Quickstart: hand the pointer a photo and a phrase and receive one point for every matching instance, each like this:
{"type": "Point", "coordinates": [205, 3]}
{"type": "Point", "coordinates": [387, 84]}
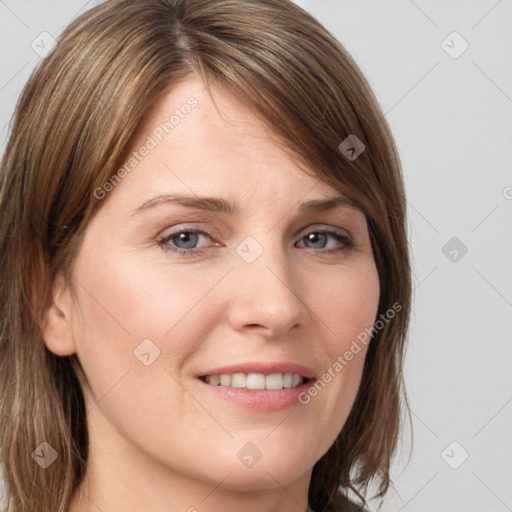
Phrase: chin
{"type": "Point", "coordinates": [270, 466]}
{"type": "Point", "coordinates": [262, 477]}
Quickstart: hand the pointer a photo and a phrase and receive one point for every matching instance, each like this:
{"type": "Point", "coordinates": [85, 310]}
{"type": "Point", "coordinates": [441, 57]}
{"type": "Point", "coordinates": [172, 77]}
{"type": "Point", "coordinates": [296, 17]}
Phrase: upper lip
{"type": "Point", "coordinates": [266, 368]}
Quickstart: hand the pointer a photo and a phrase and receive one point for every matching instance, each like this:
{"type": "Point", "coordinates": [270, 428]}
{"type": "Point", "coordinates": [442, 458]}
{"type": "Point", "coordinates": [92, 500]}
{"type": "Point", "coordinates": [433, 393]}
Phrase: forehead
{"type": "Point", "coordinates": [189, 142]}
{"type": "Point", "coordinates": [190, 110]}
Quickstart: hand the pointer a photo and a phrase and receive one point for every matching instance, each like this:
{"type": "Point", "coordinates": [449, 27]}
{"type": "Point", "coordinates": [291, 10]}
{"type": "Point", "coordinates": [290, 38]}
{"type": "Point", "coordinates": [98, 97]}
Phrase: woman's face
{"type": "Point", "coordinates": [248, 281]}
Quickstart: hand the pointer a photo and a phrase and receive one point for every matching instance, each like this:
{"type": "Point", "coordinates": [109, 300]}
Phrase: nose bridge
{"type": "Point", "coordinates": [268, 288]}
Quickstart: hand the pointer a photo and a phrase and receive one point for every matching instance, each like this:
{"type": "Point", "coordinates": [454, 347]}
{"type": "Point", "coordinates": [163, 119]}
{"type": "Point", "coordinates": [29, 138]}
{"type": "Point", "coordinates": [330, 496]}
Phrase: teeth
{"type": "Point", "coordinates": [255, 381]}
{"type": "Point", "coordinates": [225, 380]}
{"type": "Point", "coordinates": [239, 380]}
{"type": "Point", "coordinates": [287, 380]}
{"type": "Point", "coordinates": [274, 381]}
{"type": "Point", "coordinates": [215, 380]}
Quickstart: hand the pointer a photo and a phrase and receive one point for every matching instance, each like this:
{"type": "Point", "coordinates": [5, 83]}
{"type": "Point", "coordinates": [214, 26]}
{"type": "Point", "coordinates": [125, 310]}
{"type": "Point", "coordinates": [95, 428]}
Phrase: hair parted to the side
{"type": "Point", "coordinates": [74, 119]}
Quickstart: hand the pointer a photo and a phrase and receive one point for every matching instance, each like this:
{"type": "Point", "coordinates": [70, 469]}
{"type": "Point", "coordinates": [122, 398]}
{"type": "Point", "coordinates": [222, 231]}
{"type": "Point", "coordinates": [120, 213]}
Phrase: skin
{"type": "Point", "coordinates": [158, 440]}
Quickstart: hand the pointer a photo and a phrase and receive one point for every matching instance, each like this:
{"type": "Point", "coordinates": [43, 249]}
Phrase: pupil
{"type": "Point", "coordinates": [316, 237]}
{"type": "Point", "coordinates": [189, 239]}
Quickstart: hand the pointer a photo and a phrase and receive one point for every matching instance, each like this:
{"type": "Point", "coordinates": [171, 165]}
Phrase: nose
{"type": "Point", "coordinates": [267, 299]}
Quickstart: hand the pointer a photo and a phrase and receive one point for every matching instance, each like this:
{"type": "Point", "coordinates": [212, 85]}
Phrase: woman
{"type": "Point", "coordinates": [205, 282]}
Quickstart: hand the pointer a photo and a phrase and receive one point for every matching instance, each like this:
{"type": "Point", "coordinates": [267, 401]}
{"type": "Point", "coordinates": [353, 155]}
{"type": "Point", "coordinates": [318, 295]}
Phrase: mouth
{"type": "Point", "coordinates": [258, 385]}
{"type": "Point", "coordinates": [256, 381]}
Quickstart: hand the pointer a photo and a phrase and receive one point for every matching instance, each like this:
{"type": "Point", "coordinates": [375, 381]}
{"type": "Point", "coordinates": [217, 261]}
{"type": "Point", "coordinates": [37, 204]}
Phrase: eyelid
{"type": "Point", "coordinates": [326, 227]}
{"type": "Point", "coordinates": [214, 233]}
{"type": "Point", "coordinates": [185, 229]}
{"type": "Point", "coordinates": [211, 232]}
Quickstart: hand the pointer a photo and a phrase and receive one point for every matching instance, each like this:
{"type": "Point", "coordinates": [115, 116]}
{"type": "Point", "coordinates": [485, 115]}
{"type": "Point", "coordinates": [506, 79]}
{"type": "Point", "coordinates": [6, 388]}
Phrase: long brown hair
{"type": "Point", "coordinates": [75, 117]}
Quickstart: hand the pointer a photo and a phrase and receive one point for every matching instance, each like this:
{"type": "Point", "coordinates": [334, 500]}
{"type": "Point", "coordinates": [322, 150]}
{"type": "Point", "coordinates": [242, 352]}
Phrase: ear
{"type": "Point", "coordinates": [57, 328]}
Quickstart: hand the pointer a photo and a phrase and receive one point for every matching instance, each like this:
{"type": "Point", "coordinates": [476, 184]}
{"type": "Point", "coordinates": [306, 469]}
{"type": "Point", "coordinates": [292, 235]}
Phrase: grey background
{"type": "Point", "coordinates": [452, 121]}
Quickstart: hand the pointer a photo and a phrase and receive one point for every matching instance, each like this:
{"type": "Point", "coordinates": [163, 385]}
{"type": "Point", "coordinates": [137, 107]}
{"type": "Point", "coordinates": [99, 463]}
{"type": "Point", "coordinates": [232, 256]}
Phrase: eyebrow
{"type": "Point", "coordinates": [215, 204]}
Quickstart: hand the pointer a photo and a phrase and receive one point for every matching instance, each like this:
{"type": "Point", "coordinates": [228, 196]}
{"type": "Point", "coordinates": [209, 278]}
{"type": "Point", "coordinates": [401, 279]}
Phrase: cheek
{"type": "Point", "coordinates": [145, 298]}
{"type": "Point", "coordinates": [348, 311]}
{"type": "Point", "coordinates": [347, 303]}
{"type": "Point", "coordinates": [129, 308]}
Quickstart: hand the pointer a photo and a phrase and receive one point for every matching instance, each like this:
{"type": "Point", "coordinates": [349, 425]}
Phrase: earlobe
{"type": "Point", "coordinates": [57, 328]}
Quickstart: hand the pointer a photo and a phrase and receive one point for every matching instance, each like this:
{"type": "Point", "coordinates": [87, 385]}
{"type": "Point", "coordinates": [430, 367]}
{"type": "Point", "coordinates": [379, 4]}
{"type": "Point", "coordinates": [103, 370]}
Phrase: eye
{"type": "Point", "coordinates": [328, 239]}
{"type": "Point", "coordinates": [184, 241]}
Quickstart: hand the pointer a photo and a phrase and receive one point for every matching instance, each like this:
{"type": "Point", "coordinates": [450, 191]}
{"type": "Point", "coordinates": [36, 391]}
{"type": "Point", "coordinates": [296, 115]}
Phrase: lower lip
{"type": "Point", "coordinates": [259, 399]}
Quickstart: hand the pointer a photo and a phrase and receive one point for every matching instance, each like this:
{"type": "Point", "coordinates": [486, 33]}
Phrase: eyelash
{"type": "Point", "coordinates": [347, 242]}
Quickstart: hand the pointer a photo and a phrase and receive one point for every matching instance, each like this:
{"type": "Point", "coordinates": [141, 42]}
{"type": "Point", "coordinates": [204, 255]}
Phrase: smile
{"type": "Point", "coordinates": [273, 381]}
